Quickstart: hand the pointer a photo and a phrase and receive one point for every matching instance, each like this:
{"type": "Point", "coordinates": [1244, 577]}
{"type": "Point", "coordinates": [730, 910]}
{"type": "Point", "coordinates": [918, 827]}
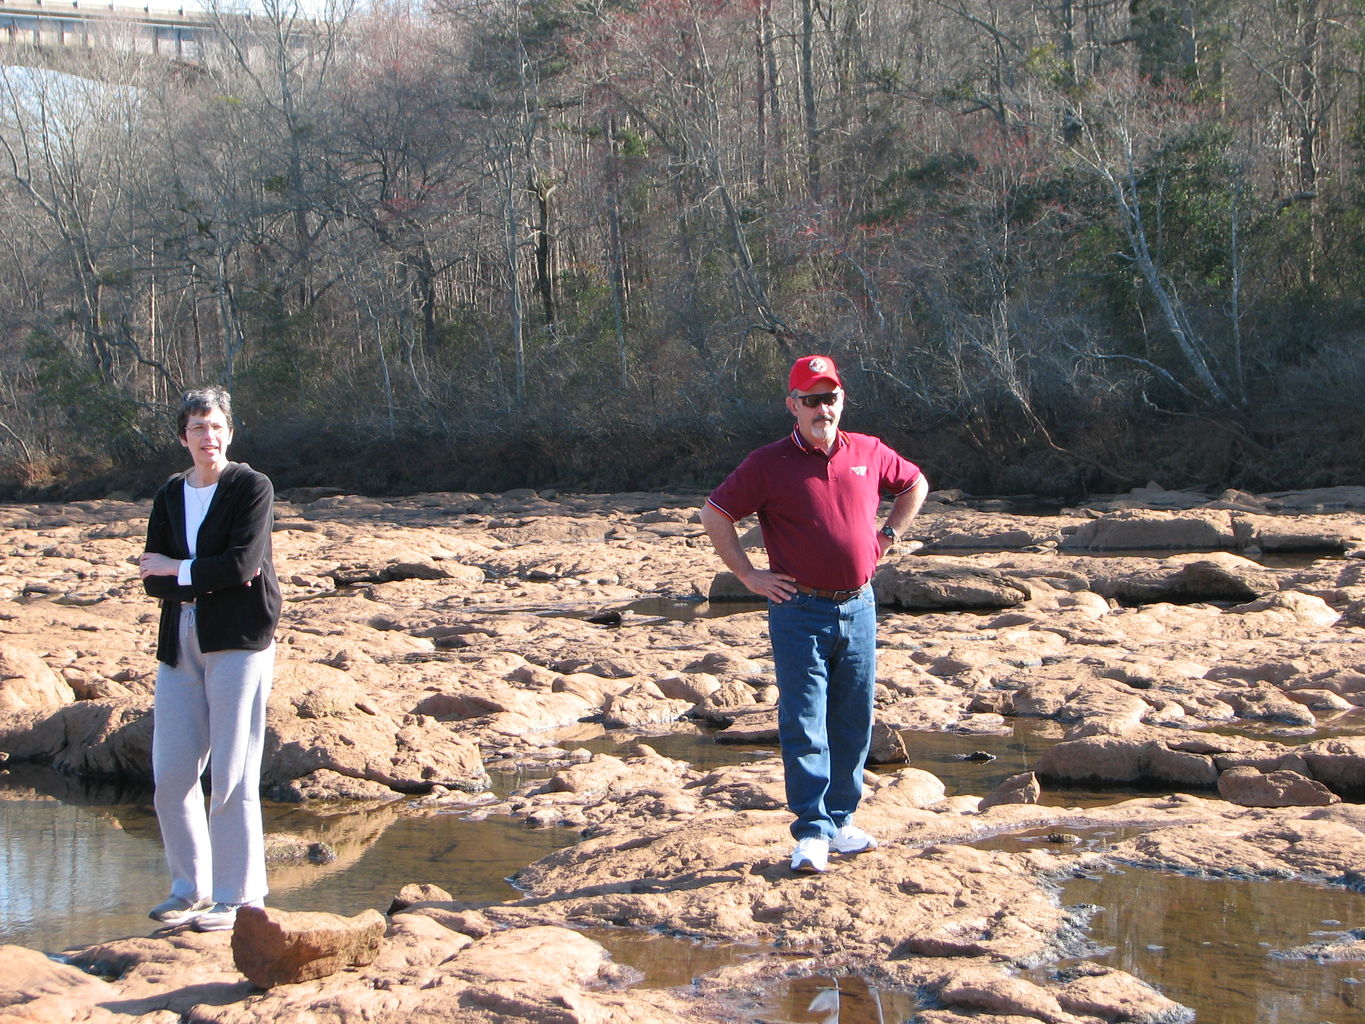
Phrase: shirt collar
{"type": "Point", "coordinates": [839, 441]}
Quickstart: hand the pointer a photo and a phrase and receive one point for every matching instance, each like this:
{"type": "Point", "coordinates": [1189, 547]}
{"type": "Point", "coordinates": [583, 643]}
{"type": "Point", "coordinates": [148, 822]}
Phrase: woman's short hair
{"type": "Point", "coordinates": [201, 402]}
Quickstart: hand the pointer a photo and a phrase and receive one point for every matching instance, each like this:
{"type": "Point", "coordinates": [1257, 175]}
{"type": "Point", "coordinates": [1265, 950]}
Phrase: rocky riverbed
{"type": "Point", "coordinates": [1204, 651]}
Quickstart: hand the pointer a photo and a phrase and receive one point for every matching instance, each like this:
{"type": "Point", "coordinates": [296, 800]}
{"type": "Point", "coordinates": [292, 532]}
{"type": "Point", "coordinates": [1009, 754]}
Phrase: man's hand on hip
{"type": "Point", "coordinates": [775, 586]}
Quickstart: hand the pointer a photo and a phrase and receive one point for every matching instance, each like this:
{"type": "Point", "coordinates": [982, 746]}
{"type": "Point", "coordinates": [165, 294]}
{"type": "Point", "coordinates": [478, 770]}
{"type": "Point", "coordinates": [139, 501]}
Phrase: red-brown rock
{"type": "Point", "coordinates": [1251, 788]}
{"type": "Point", "coordinates": [276, 947]}
{"type": "Point", "coordinates": [1017, 789]}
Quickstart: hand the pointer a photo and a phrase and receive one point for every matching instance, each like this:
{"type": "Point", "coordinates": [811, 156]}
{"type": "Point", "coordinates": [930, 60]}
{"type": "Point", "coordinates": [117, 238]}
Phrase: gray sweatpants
{"type": "Point", "coordinates": [211, 703]}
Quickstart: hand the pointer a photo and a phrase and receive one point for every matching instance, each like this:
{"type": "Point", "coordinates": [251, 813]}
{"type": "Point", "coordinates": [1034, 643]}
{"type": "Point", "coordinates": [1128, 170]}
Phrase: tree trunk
{"type": "Point", "coordinates": [808, 101]}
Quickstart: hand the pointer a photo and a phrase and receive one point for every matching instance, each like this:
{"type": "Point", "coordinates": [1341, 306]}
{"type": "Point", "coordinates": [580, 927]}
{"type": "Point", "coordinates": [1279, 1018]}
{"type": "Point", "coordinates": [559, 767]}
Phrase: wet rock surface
{"type": "Point", "coordinates": [432, 642]}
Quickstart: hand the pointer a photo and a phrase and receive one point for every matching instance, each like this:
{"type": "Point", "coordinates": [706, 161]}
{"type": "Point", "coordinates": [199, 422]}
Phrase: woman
{"type": "Point", "coordinates": [208, 559]}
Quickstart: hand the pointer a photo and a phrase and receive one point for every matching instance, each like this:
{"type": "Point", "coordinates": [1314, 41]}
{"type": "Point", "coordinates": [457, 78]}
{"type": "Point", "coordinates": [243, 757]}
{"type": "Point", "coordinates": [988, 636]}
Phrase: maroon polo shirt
{"type": "Point", "coordinates": [818, 512]}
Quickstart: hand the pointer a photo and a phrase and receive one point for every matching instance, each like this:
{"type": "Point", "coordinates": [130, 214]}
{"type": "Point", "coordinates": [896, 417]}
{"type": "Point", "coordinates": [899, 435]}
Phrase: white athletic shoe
{"type": "Point", "coordinates": [851, 839]}
{"type": "Point", "coordinates": [811, 855]}
{"type": "Point", "coordinates": [219, 919]}
{"type": "Point", "coordinates": [176, 910]}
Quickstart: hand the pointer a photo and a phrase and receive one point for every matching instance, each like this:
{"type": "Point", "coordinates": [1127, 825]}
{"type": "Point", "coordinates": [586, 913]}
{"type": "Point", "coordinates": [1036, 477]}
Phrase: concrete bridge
{"type": "Point", "coordinates": [64, 34]}
{"type": "Point", "coordinates": [65, 25]}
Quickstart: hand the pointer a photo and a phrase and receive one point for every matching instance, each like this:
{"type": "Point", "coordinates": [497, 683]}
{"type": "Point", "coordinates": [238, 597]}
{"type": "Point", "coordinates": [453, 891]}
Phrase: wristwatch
{"type": "Point", "coordinates": [889, 534]}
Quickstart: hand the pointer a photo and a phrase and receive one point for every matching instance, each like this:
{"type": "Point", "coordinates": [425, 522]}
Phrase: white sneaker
{"type": "Point", "coordinates": [220, 918]}
{"type": "Point", "coordinates": [851, 839]}
{"type": "Point", "coordinates": [811, 855]}
{"type": "Point", "coordinates": [175, 910]}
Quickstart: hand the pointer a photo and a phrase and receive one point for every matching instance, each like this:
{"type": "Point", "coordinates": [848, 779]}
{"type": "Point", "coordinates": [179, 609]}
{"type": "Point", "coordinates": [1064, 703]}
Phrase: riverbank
{"type": "Point", "coordinates": [438, 653]}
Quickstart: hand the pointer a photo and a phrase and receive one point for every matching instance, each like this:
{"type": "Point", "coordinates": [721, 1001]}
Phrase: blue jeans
{"type": "Point", "coordinates": [825, 653]}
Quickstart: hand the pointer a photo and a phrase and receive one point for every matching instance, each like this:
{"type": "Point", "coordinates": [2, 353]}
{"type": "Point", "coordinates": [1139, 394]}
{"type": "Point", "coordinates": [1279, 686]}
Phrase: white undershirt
{"type": "Point", "coordinates": [197, 501]}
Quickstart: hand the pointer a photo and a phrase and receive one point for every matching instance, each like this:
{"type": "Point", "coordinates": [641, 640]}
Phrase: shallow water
{"type": "Point", "coordinates": [1217, 945]}
{"type": "Point", "coordinates": [73, 874]}
{"type": "Point", "coordinates": [952, 757]}
{"type": "Point", "coordinates": [79, 866]}
{"type": "Point", "coordinates": [665, 962]}
{"type": "Point", "coordinates": [823, 999]}
{"type": "Point", "coordinates": [60, 850]}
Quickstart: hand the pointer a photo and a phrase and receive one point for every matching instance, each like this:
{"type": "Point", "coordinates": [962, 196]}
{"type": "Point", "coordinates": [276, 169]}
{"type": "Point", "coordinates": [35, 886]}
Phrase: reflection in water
{"type": "Point", "coordinates": [822, 999]}
{"type": "Point", "coordinates": [1059, 840]}
{"type": "Point", "coordinates": [1328, 726]}
{"type": "Point", "coordinates": [75, 871]}
{"type": "Point", "coordinates": [947, 755]}
{"type": "Point", "coordinates": [666, 962]}
{"type": "Point", "coordinates": [697, 746]}
{"type": "Point", "coordinates": [74, 874]}
{"type": "Point", "coordinates": [68, 873]}
{"type": "Point", "coordinates": [1211, 944]}
{"type": "Point", "coordinates": [943, 754]}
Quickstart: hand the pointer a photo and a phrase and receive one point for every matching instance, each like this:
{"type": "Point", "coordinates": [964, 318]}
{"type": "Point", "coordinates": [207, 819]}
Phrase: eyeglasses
{"type": "Point", "coordinates": [815, 401]}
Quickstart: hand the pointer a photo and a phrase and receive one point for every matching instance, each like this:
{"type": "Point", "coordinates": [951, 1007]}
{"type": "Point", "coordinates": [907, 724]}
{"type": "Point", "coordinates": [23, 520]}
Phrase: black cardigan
{"type": "Point", "coordinates": [237, 609]}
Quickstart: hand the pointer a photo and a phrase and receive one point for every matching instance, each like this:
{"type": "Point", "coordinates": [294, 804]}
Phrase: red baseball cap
{"type": "Point", "coordinates": [809, 369]}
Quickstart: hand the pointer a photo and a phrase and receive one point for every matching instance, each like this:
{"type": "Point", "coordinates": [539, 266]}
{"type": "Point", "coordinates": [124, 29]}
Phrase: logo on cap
{"type": "Point", "coordinates": [818, 365]}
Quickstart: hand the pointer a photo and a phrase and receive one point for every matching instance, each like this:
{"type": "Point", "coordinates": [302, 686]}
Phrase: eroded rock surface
{"type": "Point", "coordinates": [432, 642]}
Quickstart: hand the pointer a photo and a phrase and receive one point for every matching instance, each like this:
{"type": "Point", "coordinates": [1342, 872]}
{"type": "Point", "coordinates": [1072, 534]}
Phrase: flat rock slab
{"type": "Point", "coordinates": [1252, 788]}
{"type": "Point", "coordinates": [1148, 530]}
{"type": "Point", "coordinates": [912, 585]}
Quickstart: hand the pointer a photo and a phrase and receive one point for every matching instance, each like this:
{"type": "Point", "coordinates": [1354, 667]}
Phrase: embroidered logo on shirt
{"type": "Point", "coordinates": [860, 471]}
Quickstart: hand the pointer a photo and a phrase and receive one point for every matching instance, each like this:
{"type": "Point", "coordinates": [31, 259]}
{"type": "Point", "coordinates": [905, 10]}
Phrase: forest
{"type": "Point", "coordinates": [1057, 246]}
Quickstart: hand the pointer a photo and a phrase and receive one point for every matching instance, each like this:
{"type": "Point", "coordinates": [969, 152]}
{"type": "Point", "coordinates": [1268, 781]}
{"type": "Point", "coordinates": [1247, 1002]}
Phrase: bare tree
{"type": "Point", "coordinates": [69, 146]}
{"type": "Point", "coordinates": [1124, 123]}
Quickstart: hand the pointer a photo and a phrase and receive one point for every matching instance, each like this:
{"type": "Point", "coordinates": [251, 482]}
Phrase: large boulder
{"type": "Point", "coordinates": [27, 684]}
{"type": "Point", "coordinates": [319, 717]}
{"type": "Point", "coordinates": [35, 988]}
{"type": "Point", "coordinates": [911, 585]}
{"type": "Point", "coordinates": [1113, 995]}
{"type": "Point", "coordinates": [1017, 789]}
{"type": "Point", "coordinates": [1145, 530]}
{"type": "Point", "coordinates": [1251, 788]}
{"type": "Point", "coordinates": [1338, 763]}
{"type": "Point", "coordinates": [104, 739]}
{"type": "Point", "coordinates": [1107, 760]}
{"type": "Point", "coordinates": [1309, 534]}
{"type": "Point", "coordinates": [1287, 612]}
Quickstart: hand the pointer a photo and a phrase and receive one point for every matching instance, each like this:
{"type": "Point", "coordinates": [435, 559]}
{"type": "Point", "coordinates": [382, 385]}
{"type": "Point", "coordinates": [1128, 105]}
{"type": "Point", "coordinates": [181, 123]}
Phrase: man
{"type": "Point", "coordinates": [816, 493]}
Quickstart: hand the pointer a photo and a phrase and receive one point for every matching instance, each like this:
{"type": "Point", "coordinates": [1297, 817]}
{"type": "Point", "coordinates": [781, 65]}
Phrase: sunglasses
{"type": "Point", "coordinates": [815, 401]}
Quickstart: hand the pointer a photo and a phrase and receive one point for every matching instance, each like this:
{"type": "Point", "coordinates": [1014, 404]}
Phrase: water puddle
{"type": "Point", "coordinates": [967, 764]}
{"type": "Point", "coordinates": [1058, 839]}
{"type": "Point", "coordinates": [673, 608]}
{"type": "Point", "coordinates": [978, 763]}
{"type": "Point", "coordinates": [81, 865]}
{"type": "Point", "coordinates": [1345, 724]}
{"type": "Point", "coordinates": [824, 999]}
{"type": "Point", "coordinates": [79, 873]}
{"type": "Point", "coordinates": [1218, 945]}
{"type": "Point", "coordinates": [645, 611]}
{"type": "Point", "coordinates": [666, 961]}
{"type": "Point", "coordinates": [697, 746]}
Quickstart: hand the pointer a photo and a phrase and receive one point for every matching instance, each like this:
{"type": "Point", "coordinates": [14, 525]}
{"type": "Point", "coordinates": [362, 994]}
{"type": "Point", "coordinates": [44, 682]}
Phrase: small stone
{"type": "Point", "coordinates": [419, 892]}
{"type": "Point", "coordinates": [1017, 789]}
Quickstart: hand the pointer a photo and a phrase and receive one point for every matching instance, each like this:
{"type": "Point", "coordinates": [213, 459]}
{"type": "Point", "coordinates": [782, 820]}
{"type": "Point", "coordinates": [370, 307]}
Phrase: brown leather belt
{"type": "Point", "coordinates": [828, 595]}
